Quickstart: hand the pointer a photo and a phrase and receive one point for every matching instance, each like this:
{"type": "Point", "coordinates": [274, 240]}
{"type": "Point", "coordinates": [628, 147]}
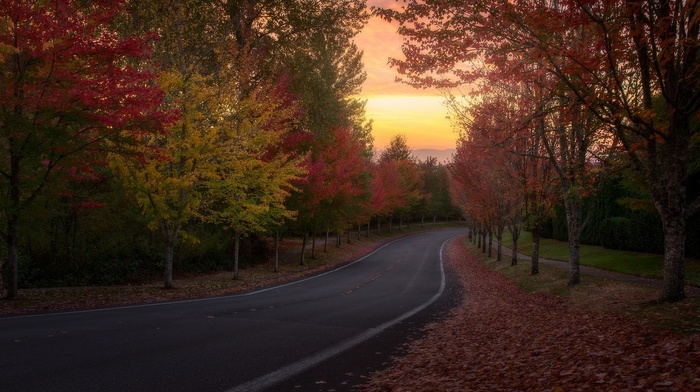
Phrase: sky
{"type": "Point", "coordinates": [397, 108]}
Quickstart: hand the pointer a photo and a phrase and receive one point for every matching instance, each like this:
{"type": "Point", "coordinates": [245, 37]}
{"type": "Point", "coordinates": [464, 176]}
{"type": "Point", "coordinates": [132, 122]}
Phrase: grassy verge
{"type": "Point", "coordinates": [222, 283]}
{"type": "Point", "coordinates": [633, 263]}
{"type": "Point", "coordinates": [597, 294]}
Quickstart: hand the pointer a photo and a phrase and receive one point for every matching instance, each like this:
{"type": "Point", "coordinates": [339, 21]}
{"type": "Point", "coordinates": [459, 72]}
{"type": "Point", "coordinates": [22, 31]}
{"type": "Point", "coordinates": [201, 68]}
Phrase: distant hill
{"type": "Point", "coordinates": [443, 156]}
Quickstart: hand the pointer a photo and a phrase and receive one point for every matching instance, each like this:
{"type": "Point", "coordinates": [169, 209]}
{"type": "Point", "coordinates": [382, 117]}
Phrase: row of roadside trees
{"type": "Point", "coordinates": [152, 133]}
{"type": "Point", "coordinates": [565, 93]}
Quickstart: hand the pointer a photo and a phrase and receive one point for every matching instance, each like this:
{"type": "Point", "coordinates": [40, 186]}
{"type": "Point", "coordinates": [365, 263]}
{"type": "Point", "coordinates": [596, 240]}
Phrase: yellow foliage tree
{"type": "Point", "coordinates": [248, 179]}
{"type": "Point", "coordinates": [165, 174]}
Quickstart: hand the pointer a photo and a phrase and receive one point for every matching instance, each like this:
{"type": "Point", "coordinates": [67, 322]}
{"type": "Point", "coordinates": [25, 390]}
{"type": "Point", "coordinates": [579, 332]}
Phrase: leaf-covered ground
{"type": "Point", "coordinates": [505, 339]}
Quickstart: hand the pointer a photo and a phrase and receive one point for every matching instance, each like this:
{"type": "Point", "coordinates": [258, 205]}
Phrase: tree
{"type": "Point", "coordinates": [327, 75]}
{"type": "Point", "coordinates": [68, 86]}
{"type": "Point", "coordinates": [404, 185]}
{"type": "Point", "coordinates": [651, 55]}
{"type": "Point", "coordinates": [165, 176]}
{"type": "Point", "coordinates": [245, 183]}
{"type": "Point", "coordinates": [631, 64]}
{"type": "Point", "coordinates": [398, 150]}
{"type": "Point", "coordinates": [500, 144]}
{"type": "Point", "coordinates": [396, 188]}
{"type": "Point", "coordinates": [334, 188]}
{"type": "Point", "coordinates": [165, 180]}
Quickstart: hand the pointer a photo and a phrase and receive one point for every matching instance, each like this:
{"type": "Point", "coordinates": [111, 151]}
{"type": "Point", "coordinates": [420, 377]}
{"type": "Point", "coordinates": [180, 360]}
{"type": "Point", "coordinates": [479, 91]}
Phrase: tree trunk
{"type": "Point", "coordinates": [338, 239]}
{"type": "Point", "coordinates": [170, 236]}
{"type": "Point", "coordinates": [236, 250]}
{"type": "Point", "coordinates": [535, 268]}
{"type": "Point", "coordinates": [379, 226]}
{"type": "Point", "coordinates": [359, 229]}
{"type": "Point", "coordinates": [369, 222]}
{"type": "Point", "coordinates": [434, 219]}
{"type": "Point", "coordinates": [422, 221]}
{"type": "Point", "coordinates": [669, 193]}
{"type": "Point", "coordinates": [490, 245]}
{"type": "Point", "coordinates": [325, 244]}
{"type": "Point", "coordinates": [483, 240]}
{"type": "Point", "coordinates": [2, 281]}
{"type": "Point", "coordinates": [303, 248]}
{"type": "Point", "coordinates": [499, 239]}
{"type": "Point", "coordinates": [277, 251]}
{"type": "Point", "coordinates": [391, 223]}
{"type": "Point", "coordinates": [13, 224]}
{"type": "Point", "coordinates": [348, 234]}
{"type": "Point", "coordinates": [13, 256]}
{"type": "Point", "coordinates": [478, 238]}
{"type": "Point", "coordinates": [673, 284]}
{"type": "Point", "coordinates": [574, 213]}
{"type": "Point", "coordinates": [515, 235]}
{"type": "Point", "coordinates": [313, 245]}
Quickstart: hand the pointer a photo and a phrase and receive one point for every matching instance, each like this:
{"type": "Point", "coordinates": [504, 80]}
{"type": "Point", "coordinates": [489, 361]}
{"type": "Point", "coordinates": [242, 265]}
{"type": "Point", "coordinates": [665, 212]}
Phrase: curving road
{"type": "Point", "coordinates": [247, 342]}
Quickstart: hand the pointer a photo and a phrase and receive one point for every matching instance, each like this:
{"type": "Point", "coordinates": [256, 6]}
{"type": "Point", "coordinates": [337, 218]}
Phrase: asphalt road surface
{"type": "Point", "coordinates": [271, 339]}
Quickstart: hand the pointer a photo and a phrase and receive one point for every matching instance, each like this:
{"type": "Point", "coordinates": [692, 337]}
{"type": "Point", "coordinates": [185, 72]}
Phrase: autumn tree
{"type": "Point", "coordinates": [246, 187]}
{"type": "Point", "coordinates": [68, 86]}
{"type": "Point", "coordinates": [632, 65]}
{"type": "Point", "coordinates": [437, 198]}
{"type": "Point", "coordinates": [165, 177]}
{"type": "Point", "coordinates": [647, 88]}
{"type": "Point", "coordinates": [482, 177]}
{"type": "Point", "coordinates": [328, 74]}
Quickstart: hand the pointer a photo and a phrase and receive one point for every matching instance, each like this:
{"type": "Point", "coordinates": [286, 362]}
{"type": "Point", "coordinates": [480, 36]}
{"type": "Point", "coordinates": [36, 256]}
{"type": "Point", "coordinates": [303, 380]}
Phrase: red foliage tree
{"type": "Point", "coordinates": [333, 189]}
{"type": "Point", "coordinates": [631, 65]}
{"type": "Point", "coordinates": [396, 187]}
{"type": "Point", "coordinates": [68, 87]}
{"type": "Point", "coordinates": [503, 128]}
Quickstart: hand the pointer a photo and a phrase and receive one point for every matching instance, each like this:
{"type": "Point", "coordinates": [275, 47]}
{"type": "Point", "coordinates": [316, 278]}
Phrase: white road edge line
{"type": "Point", "coordinates": [205, 299]}
{"type": "Point", "coordinates": [288, 371]}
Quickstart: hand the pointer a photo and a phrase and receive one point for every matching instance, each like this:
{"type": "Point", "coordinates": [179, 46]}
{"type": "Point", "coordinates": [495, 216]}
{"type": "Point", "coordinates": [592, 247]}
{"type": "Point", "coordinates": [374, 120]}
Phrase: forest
{"type": "Point", "coordinates": [143, 139]}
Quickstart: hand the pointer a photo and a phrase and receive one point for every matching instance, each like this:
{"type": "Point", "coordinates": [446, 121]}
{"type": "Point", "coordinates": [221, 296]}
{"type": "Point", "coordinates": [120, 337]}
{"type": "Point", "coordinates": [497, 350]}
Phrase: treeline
{"type": "Point", "coordinates": [563, 95]}
{"type": "Point", "coordinates": [112, 243]}
{"type": "Point", "coordinates": [143, 137]}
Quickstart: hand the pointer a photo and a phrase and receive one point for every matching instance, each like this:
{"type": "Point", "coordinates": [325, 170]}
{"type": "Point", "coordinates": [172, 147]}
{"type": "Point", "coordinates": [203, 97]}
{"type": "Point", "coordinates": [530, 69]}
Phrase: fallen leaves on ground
{"type": "Point", "coordinates": [504, 339]}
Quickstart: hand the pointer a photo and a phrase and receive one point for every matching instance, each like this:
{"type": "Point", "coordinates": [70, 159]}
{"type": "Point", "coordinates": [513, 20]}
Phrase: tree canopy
{"type": "Point", "coordinates": [617, 74]}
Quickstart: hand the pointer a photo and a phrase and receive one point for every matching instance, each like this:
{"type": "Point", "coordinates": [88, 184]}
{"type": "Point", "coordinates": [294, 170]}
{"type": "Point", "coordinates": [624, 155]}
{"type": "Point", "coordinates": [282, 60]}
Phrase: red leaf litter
{"type": "Point", "coordinates": [504, 339]}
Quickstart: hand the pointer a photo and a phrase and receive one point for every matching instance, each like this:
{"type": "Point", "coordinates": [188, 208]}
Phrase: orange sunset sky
{"type": "Point", "coordinates": [397, 108]}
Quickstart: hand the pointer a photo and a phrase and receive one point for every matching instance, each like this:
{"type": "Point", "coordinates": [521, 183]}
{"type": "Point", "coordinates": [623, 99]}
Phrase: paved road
{"type": "Point", "coordinates": [243, 342]}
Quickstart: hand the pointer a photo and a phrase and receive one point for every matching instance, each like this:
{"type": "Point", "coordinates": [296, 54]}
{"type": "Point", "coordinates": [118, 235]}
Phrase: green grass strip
{"type": "Point", "coordinates": [633, 263]}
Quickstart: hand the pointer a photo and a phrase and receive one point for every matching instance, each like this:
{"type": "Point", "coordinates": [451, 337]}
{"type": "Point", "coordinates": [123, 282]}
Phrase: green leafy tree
{"type": "Point", "coordinates": [398, 150]}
